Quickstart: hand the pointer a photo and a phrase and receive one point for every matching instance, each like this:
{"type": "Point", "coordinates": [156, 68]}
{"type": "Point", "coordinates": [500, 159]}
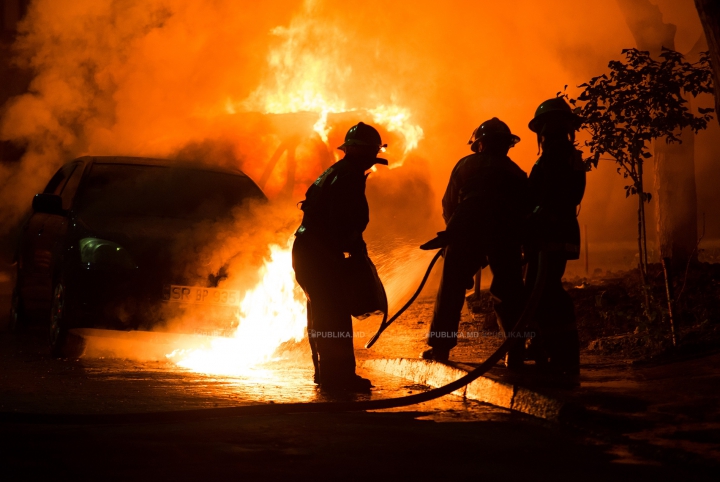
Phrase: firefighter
{"type": "Point", "coordinates": [484, 207]}
{"type": "Point", "coordinates": [335, 215]}
{"type": "Point", "coordinates": [556, 186]}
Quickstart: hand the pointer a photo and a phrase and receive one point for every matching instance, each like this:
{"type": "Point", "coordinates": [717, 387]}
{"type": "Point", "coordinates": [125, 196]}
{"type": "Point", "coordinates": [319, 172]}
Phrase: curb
{"type": "Point", "coordinates": [484, 389]}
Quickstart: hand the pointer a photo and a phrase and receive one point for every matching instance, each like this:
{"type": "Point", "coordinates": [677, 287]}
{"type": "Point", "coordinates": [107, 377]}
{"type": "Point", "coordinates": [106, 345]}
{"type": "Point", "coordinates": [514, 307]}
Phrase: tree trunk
{"type": "Point", "coordinates": [674, 163]}
{"type": "Point", "coordinates": [642, 234]}
{"type": "Point", "coordinates": [642, 224]}
{"type": "Point", "coordinates": [677, 199]}
{"type": "Point", "coordinates": [709, 12]}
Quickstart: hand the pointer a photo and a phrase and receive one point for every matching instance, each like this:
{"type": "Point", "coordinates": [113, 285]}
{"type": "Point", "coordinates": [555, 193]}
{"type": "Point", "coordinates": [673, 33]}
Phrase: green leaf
{"type": "Point", "coordinates": [638, 100]}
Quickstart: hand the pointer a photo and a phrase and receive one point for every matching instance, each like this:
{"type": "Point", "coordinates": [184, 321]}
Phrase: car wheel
{"type": "Point", "coordinates": [58, 321]}
{"type": "Point", "coordinates": [17, 313]}
{"type": "Point", "coordinates": [62, 342]}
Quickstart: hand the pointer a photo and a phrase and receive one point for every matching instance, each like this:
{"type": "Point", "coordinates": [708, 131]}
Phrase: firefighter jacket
{"type": "Point", "coordinates": [335, 208]}
{"type": "Point", "coordinates": [486, 200]}
{"type": "Point", "coordinates": [557, 186]}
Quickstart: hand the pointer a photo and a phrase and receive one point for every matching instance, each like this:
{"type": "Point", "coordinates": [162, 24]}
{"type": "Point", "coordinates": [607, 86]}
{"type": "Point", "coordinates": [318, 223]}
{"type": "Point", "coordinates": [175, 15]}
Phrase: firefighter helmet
{"type": "Point", "coordinates": [362, 135]}
{"type": "Point", "coordinates": [552, 109]}
{"type": "Point", "coordinates": [493, 128]}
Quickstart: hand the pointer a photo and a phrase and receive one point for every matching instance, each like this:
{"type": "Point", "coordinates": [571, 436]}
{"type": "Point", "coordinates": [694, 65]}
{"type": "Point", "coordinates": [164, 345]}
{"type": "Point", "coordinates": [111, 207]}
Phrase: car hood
{"type": "Point", "coordinates": [172, 246]}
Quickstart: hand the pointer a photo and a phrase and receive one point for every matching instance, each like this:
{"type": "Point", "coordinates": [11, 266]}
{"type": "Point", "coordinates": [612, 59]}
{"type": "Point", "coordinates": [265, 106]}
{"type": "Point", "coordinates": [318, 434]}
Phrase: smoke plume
{"type": "Point", "coordinates": [241, 82]}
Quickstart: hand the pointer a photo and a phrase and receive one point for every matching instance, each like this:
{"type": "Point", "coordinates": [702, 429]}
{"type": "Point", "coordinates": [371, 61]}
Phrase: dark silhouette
{"type": "Point", "coordinates": [326, 251]}
{"type": "Point", "coordinates": [557, 186]}
{"type": "Point", "coordinates": [484, 207]}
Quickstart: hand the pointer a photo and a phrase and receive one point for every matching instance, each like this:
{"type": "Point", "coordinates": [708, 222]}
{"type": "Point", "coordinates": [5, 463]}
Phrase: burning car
{"type": "Point", "coordinates": [103, 247]}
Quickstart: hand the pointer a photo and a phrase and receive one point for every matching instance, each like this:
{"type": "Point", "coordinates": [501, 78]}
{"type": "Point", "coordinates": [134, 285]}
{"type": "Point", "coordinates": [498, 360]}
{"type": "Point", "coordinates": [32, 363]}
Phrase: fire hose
{"type": "Point", "coordinates": [522, 324]}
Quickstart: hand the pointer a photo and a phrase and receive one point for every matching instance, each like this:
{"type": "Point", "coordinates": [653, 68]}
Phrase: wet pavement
{"type": "Point", "coordinates": [406, 338]}
{"type": "Point", "coordinates": [402, 443]}
{"type": "Point", "coordinates": [663, 411]}
{"type": "Point", "coordinates": [670, 409]}
{"type": "Point", "coordinates": [342, 446]}
{"type": "Point", "coordinates": [31, 381]}
{"type": "Point", "coordinates": [103, 382]}
{"type": "Point", "coordinates": [418, 442]}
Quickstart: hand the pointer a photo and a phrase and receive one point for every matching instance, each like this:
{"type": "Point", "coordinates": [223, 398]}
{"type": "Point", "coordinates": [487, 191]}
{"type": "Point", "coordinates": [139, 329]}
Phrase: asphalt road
{"type": "Point", "coordinates": [440, 440]}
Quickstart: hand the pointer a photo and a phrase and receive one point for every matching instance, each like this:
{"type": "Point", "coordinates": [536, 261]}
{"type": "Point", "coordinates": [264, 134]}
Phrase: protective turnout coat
{"type": "Point", "coordinates": [484, 207]}
{"type": "Point", "coordinates": [557, 186]}
{"type": "Point", "coordinates": [332, 267]}
{"type": "Point", "coordinates": [335, 208]}
{"type": "Point", "coordinates": [485, 200]}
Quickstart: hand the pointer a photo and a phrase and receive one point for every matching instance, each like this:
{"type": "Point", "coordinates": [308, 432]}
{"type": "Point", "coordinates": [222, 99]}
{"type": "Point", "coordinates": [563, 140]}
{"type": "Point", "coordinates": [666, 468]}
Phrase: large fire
{"type": "Point", "coordinates": [307, 75]}
{"type": "Point", "coordinates": [270, 314]}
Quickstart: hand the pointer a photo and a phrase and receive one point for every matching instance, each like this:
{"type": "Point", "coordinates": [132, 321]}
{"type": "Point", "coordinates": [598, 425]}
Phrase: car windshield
{"type": "Point", "coordinates": [175, 192]}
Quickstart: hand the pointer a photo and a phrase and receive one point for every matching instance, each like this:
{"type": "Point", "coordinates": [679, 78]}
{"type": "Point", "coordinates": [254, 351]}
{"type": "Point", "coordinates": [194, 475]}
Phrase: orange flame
{"type": "Point", "coordinates": [270, 314]}
{"type": "Point", "coordinates": [308, 74]}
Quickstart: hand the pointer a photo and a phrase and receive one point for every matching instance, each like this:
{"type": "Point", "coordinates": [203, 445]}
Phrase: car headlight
{"type": "Point", "coordinates": [105, 255]}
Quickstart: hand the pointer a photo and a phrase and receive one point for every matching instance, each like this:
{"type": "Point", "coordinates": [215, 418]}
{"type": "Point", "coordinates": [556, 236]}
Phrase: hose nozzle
{"type": "Point", "coordinates": [440, 241]}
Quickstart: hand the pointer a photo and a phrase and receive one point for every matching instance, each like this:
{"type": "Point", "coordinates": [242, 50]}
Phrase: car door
{"type": "Point", "coordinates": [56, 226]}
{"type": "Point", "coordinates": [36, 253]}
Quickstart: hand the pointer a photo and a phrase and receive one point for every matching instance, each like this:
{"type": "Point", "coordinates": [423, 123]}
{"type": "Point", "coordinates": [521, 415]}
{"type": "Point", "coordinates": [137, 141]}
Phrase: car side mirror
{"type": "Point", "coordinates": [48, 204]}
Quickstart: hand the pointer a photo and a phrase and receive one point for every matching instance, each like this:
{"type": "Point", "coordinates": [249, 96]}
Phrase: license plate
{"type": "Point", "coordinates": [198, 295]}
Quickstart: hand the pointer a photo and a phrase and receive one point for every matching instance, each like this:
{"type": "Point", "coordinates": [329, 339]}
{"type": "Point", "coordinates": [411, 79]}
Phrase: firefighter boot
{"type": "Point", "coordinates": [515, 357]}
{"type": "Point", "coordinates": [437, 354]}
{"type": "Point", "coordinates": [354, 383]}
